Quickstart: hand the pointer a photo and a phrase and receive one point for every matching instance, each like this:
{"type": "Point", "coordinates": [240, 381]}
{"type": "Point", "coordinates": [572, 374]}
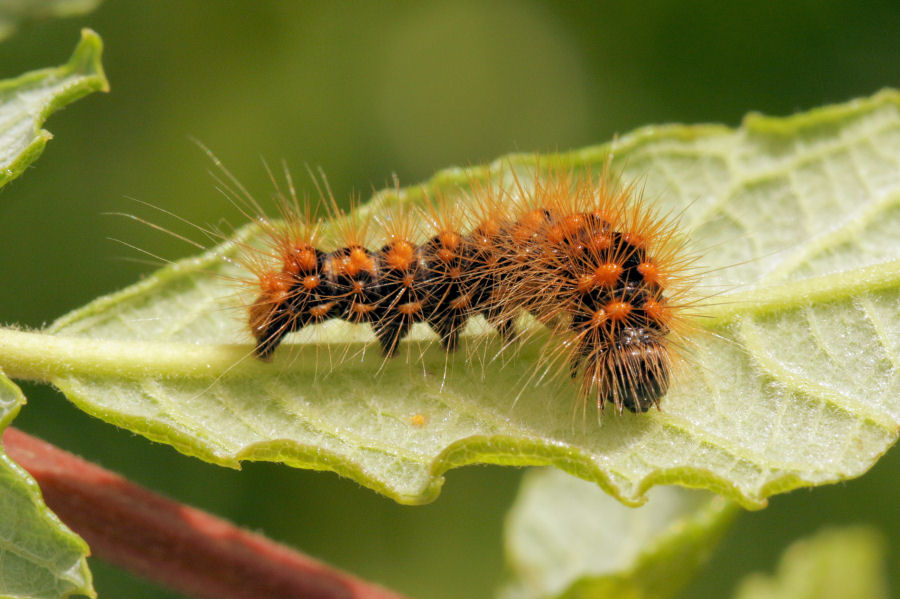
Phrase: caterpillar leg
{"type": "Point", "coordinates": [269, 325]}
{"type": "Point", "coordinates": [389, 336]}
{"type": "Point", "coordinates": [448, 331]}
{"type": "Point", "coordinates": [632, 375]}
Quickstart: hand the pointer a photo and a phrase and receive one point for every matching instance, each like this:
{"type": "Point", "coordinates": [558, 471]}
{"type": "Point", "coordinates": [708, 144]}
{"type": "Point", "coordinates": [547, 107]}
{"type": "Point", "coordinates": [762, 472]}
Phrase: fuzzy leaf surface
{"type": "Point", "coordinates": [565, 537]}
{"type": "Point", "coordinates": [28, 100]}
{"type": "Point", "coordinates": [40, 558]}
{"type": "Point", "coordinates": [792, 379]}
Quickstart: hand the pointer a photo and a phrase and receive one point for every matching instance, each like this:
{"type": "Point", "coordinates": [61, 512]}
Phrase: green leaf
{"type": "Point", "coordinates": [15, 12]}
{"type": "Point", "coordinates": [840, 563]}
{"type": "Point", "coordinates": [39, 556]}
{"type": "Point", "coordinates": [566, 538]}
{"type": "Point", "coordinates": [792, 379]}
{"type": "Point", "coordinates": [28, 100]}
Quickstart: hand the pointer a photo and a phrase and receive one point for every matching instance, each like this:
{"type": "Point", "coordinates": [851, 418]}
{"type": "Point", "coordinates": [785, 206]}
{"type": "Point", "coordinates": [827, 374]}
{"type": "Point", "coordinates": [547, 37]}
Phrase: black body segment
{"type": "Point", "coordinates": [574, 271]}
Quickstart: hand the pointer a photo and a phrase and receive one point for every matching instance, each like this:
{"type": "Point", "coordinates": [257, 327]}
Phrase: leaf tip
{"type": "Point", "coordinates": [86, 59]}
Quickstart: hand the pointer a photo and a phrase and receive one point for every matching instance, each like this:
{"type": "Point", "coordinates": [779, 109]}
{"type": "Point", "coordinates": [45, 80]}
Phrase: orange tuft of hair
{"type": "Point", "coordinates": [583, 253]}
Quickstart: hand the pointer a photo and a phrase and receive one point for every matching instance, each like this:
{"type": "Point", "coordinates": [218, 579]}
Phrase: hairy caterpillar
{"type": "Point", "coordinates": [582, 254]}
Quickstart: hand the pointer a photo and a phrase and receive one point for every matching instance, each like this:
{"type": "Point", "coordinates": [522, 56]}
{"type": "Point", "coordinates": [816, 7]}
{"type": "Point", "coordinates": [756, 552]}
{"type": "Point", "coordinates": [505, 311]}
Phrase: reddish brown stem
{"type": "Point", "coordinates": [174, 545]}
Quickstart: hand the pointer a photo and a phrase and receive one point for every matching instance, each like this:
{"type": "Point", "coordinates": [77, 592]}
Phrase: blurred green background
{"type": "Point", "coordinates": [366, 90]}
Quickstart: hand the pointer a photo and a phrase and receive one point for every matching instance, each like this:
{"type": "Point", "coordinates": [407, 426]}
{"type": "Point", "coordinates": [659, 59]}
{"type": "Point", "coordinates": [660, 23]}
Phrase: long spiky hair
{"type": "Point", "coordinates": [583, 253]}
{"type": "Point", "coordinates": [609, 276]}
{"type": "Point", "coordinates": [284, 261]}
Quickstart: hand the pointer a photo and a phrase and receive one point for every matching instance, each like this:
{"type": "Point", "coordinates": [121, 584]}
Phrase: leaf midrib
{"type": "Point", "coordinates": [42, 356]}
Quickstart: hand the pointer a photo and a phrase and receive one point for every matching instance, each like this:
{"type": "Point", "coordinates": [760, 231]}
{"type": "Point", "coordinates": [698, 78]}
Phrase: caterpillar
{"type": "Point", "coordinates": [584, 255]}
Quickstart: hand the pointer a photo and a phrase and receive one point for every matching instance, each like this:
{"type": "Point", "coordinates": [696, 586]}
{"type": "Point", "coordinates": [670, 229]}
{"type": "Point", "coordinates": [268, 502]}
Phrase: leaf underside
{"type": "Point", "coordinates": [564, 537]}
{"type": "Point", "coordinates": [791, 379]}
{"type": "Point", "coordinates": [39, 557]}
{"type": "Point", "coordinates": [28, 100]}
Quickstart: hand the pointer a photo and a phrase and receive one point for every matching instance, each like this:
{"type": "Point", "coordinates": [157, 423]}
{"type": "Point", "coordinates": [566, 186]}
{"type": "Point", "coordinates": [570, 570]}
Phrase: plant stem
{"type": "Point", "coordinates": [175, 545]}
